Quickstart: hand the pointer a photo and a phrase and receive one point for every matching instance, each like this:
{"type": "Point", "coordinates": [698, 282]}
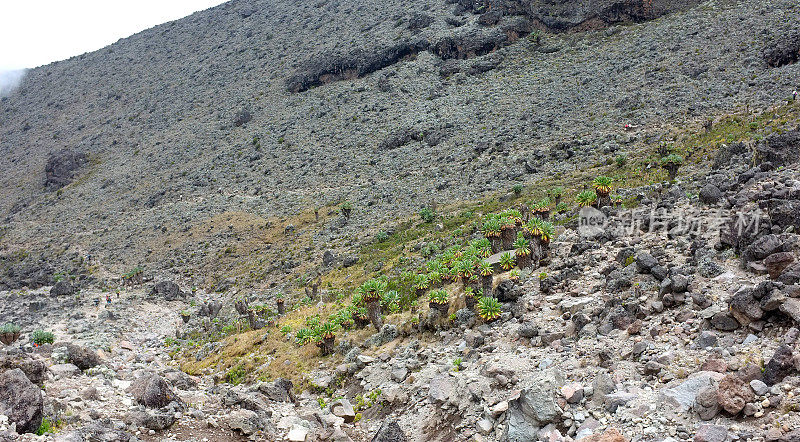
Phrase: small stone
{"type": "Point", "coordinates": [485, 426]}
{"type": "Point", "coordinates": [573, 392]}
{"type": "Point", "coordinates": [344, 410]}
{"type": "Point", "coordinates": [298, 433]}
{"type": "Point", "coordinates": [707, 338]}
{"type": "Point", "coordinates": [759, 387]}
{"type": "Point", "coordinates": [711, 433]}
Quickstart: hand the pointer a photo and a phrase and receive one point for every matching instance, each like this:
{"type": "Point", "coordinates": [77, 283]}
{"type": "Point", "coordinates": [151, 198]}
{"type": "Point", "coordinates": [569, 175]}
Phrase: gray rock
{"type": "Point", "coordinates": [245, 421]}
{"type": "Point", "coordinates": [20, 400]}
{"type": "Point", "coordinates": [389, 431]}
{"type": "Point", "coordinates": [707, 338]}
{"type": "Point", "coordinates": [535, 407]}
{"type": "Point", "coordinates": [167, 290]}
{"type": "Point", "coordinates": [95, 432]}
{"type": "Point", "coordinates": [618, 399]}
{"type": "Point", "coordinates": [759, 387]}
{"type": "Point", "coordinates": [442, 389]}
{"type": "Point", "coordinates": [710, 194]}
{"type": "Point", "coordinates": [706, 404]}
{"type": "Point", "coordinates": [528, 330]}
{"type": "Point", "coordinates": [62, 288]}
{"type": "Point", "coordinates": [152, 391]}
{"type": "Point", "coordinates": [711, 433]}
{"type": "Point", "coordinates": [152, 420]}
{"type": "Point", "coordinates": [64, 370]}
{"type": "Point", "coordinates": [344, 410]}
{"type": "Point", "coordinates": [685, 394]}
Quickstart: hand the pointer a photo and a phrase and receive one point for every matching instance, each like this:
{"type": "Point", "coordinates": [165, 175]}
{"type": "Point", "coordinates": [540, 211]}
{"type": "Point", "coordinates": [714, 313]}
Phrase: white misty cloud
{"type": "Point", "coordinates": [9, 80]}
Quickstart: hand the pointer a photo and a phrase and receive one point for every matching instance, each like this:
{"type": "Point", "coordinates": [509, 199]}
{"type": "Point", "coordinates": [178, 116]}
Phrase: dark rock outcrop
{"type": "Point", "coordinates": [62, 167]}
{"type": "Point", "coordinates": [390, 431]}
{"type": "Point", "coordinates": [20, 400]}
{"type": "Point", "coordinates": [783, 50]}
{"type": "Point", "coordinates": [167, 290]}
{"type": "Point", "coordinates": [62, 288]}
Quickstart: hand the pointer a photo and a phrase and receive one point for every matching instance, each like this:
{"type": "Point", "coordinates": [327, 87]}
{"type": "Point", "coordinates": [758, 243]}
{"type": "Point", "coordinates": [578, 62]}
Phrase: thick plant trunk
{"type": "Point", "coordinates": [326, 345]}
{"type": "Point", "coordinates": [281, 308]}
{"type": "Point", "coordinates": [536, 252]}
{"type": "Point", "coordinates": [374, 308]}
{"type": "Point", "coordinates": [508, 236]}
{"type": "Point", "coordinates": [497, 244]}
{"type": "Point", "coordinates": [486, 282]}
{"type": "Point", "coordinates": [470, 301]}
{"type": "Point", "coordinates": [524, 261]}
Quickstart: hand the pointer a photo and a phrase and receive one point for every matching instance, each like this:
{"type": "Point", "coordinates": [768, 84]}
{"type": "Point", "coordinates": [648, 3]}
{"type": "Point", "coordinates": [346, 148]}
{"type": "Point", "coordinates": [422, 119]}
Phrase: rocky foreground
{"type": "Point", "coordinates": [684, 326]}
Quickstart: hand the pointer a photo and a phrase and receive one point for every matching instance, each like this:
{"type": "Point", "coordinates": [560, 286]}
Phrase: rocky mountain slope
{"type": "Point", "coordinates": [677, 321]}
{"type": "Point", "coordinates": [411, 103]}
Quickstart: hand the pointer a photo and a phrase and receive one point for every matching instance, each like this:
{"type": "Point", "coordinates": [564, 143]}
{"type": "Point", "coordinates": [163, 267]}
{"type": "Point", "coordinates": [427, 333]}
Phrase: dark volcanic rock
{"type": "Point", "coordinates": [168, 290]}
{"type": "Point", "coordinates": [62, 288]}
{"type": "Point", "coordinates": [780, 366]}
{"type": "Point", "coordinates": [780, 149]}
{"type": "Point", "coordinates": [710, 194]}
{"type": "Point", "coordinates": [20, 400]}
{"type": "Point", "coordinates": [62, 167]}
{"type": "Point", "coordinates": [358, 63]}
{"type": "Point", "coordinates": [82, 357]}
{"type": "Point", "coordinates": [390, 431]}
{"type": "Point", "coordinates": [35, 369]}
{"type": "Point", "coordinates": [783, 50]}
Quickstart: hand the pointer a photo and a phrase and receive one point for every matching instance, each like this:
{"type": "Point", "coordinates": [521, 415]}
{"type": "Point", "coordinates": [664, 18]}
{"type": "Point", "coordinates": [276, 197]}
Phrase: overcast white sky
{"type": "Point", "coordinates": [38, 32]}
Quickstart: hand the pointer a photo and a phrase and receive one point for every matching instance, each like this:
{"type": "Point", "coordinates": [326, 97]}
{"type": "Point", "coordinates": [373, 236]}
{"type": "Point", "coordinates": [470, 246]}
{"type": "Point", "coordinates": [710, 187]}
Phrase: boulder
{"type": "Point", "coordinates": [152, 420]}
{"type": "Point", "coordinates": [685, 394]}
{"type": "Point", "coordinates": [167, 290]}
{"type": "Point", "coordinates": [35, 369]}
{"type": "Point", "coordinates": [763, 247]}
{"type": "Point", "coordinates": [82, 357]}
{"type": "Point", "coordinates": [776, 263]}
{"type": "Point", "coordinates": [20, 400]}
{"type": "Point", "coordinates": [61, 371]}
{"type": "Point", "coordinates": [245, 421]}
{"type": "Point", "coordinates": [724, 321]}
{"type": "Point", "coordinates": [645, 262]}
{"type": "Point", "coordinates": [744, 307]}
{"type": "Point", "coordinates": [441, 389]}
{"type": "Point", "coordinates": [534, 408]}
{"type": "Point", "coordinates": [390, 431]}
{"type": "Point", "coordinates": [508, 291]}
{"type": "Point", "coordinates": [781, 148]}
{"type": "Point", "coordinates": [152, 391]}
{"type": "Point", "coordinates": [62, 288]}
{"type": "Point", "coordinates": [706, 404]}
{"type": "Point", "coordinates": [733, 394]}
{"type": "Point", "coordinates": [711, 433]}
{"type": "Point", "coordinates": [95, 432]}
{"type": "Point", "coordinates": [278, 391]}
{"type": "Point", "coordinates": [710, 194]}
{"type": "Point", "coordinates": [779, 366]}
